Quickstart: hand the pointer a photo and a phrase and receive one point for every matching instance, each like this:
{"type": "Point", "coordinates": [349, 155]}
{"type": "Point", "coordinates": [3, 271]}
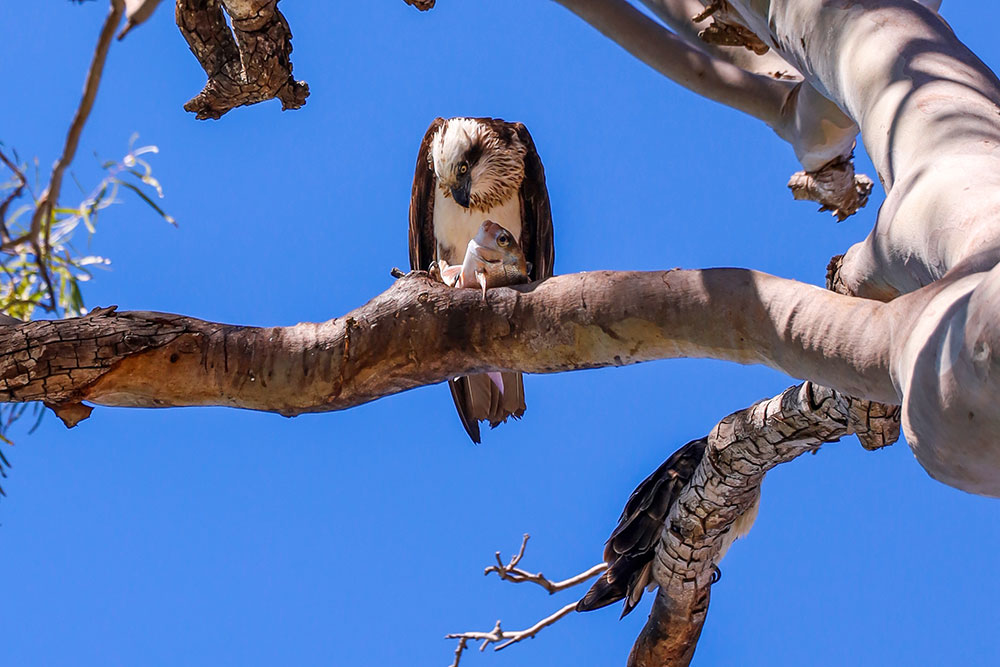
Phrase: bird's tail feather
{"type": "Point", "coordinates": [482, 398]}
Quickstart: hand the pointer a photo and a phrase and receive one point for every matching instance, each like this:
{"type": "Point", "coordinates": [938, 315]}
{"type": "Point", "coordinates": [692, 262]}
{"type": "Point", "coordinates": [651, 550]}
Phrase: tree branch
{"type": "Point", "coordinates": [504, 638]}
{"type": "Point", "coordinates": [818, 131]}
{"type": "Point", "coordinates": [14, 194]}
{"type": "Point", "coordinates": [420, 332]}
{"type": "Point", "coordinates": [252, 67]}
{"type": "Point", "coordinates": [510, 572]}
{"type": "Point", "coordinates": [686, 18]}
{"type": "Point", "coordinates": [758, 95]}
{"type": "Point", "coordinates": [37, 235]}
{"type": "Point", "coordinates": [725, 485]}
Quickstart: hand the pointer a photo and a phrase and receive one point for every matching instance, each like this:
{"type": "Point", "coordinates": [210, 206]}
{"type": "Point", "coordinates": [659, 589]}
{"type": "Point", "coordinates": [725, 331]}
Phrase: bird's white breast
{"type": "Point", "coordinates": [455, 226]}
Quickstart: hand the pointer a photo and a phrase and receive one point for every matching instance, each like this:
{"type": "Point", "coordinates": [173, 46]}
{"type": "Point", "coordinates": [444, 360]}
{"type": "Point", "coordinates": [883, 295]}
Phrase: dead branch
{"type": "Point", "coordinates": [251, 67]}
{"type": "Point", "coordinates": [504, 638]}
{"type": "Point", "coordinates": [510, 572]}
{"type": "Point", "coordinates": [422, 5]}
{"type": "Point", "coordinates": [710, 9]}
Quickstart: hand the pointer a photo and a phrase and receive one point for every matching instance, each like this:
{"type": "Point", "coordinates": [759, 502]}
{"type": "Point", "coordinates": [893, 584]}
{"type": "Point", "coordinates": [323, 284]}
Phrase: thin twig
{"type": "Point", "coordinates": [710, 9]}
{"type": "Point", "coordinates": [462, 645]}
{"type": "Point", "coordinates": [510, 572]}
{"type": "Point", "coordinates": [4, 234]}
{"type": "Point", "coordinates": [43, 209]}
{"type": "Point", "coordinates": [497, 634]}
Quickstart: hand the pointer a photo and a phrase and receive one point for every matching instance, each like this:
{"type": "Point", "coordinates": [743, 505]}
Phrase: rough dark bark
{"type": "Point", "coordinates": [740, 450]}
{"type": "Point", "coordinates": [254, 66]}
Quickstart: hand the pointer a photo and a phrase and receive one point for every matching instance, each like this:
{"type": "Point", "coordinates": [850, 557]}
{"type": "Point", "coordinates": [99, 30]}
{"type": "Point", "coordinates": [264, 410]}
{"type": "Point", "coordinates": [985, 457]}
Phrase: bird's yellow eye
{"type": "Point", "coordinates": [503, 240]}
{"type": "Point", "coordinates": [463, 168]}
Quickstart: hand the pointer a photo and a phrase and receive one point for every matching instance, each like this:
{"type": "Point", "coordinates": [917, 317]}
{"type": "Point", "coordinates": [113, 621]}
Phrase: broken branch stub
{"type": "Point", "coordinates": [740, 450]}
{"type": "Point", "coordinates": [834, 186]}
{"type": "Point", "coordinates": [253, 66]}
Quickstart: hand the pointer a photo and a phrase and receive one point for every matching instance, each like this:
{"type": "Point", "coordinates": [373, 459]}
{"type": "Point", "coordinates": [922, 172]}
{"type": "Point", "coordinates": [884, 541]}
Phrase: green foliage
{"type": "Point", "coordinates": [46, 273]}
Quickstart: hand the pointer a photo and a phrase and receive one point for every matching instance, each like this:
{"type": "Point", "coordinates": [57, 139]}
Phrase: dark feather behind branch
{"type": "Point", "coordinates": [630, 549]}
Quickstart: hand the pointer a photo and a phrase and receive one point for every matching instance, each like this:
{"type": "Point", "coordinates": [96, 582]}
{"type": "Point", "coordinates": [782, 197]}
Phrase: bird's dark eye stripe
{"type": "Point", "coordinates": [473, 154]}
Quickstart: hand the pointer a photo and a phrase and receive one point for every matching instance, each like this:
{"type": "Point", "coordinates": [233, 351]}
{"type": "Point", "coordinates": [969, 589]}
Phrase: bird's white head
{"type": "Point", "coordinates": [474, 164]}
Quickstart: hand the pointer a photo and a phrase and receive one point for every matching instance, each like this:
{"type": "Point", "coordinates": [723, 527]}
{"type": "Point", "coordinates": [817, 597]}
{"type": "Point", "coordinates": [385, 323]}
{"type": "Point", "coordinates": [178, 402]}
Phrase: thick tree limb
{"type": "Point", "coordinates": [772, 91]}
{"type": "Point", "coordinates": [740, 450]}
{"type": "Point", "coordinates": [420, 332]}
{"type": "Point", "coordinates": [253, 67]}
{"type": "Point", "coordinates": [928, 112]}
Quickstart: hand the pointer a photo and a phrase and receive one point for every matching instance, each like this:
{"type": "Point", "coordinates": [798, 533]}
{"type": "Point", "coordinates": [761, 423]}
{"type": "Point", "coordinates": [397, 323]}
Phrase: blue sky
{"type": "Point", "coordinates": [225, 537]}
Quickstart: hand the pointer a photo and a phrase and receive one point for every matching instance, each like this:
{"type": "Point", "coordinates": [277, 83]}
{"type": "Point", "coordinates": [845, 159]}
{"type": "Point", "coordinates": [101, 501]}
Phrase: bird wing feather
{"type": "Point", "coordinates": [422, 243]}
{"type": "Point", "coordinates": [630, 549]}
{"type": "Point", "coordinates": [477, 397]}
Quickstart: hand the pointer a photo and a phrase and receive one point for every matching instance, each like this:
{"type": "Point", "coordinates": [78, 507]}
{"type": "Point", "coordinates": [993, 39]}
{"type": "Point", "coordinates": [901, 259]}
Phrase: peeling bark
{"type": "Point", "coordinates": [251, 67]}
{"type": "Point", "coordinates": [741, 449]}
{"type": "Point", "coordinates": [834, 186]}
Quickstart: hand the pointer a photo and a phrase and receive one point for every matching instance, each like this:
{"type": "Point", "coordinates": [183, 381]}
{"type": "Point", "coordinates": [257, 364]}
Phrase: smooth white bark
{"type": "Point", "coordinates": [929, 113]}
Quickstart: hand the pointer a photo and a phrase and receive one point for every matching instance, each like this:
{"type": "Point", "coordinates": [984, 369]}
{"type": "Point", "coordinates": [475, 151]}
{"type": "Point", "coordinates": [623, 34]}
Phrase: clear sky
{"type": "Point", "coordinates": [225, 537]}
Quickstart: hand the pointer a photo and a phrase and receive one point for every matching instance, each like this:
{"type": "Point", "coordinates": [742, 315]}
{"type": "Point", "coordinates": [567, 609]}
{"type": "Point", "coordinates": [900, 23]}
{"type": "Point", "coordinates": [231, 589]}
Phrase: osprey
{"type": "Point", "coordinates": [470, 171]}
{"type": "Point", "coordinates": [631, 548]}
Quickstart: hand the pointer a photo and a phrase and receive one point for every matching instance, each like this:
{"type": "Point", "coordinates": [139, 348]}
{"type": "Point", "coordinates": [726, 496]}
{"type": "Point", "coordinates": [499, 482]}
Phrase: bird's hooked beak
{"type": "Point", "coordinates": [461, 191]}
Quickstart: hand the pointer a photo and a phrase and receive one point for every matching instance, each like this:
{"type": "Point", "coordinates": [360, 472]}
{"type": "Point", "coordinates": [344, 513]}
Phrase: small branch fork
{"type": "Point", "coordinates": [511, 572]}
{"type": "Point", "coordinates": [497, 634]}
